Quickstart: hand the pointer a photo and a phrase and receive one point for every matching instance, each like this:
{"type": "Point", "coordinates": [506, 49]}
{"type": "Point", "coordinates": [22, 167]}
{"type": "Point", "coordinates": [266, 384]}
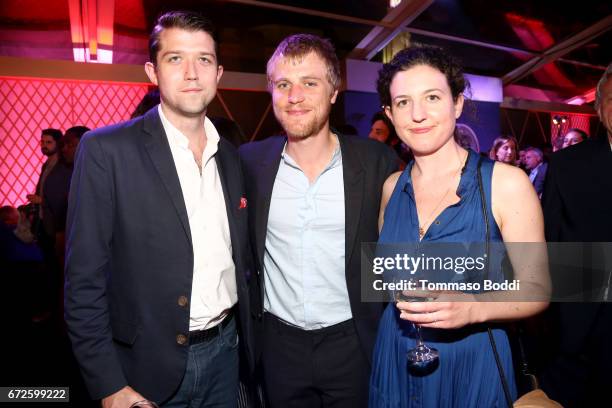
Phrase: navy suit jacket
{"type": "Point", "coordinates": [538, 181]}
{"type": "Point", "coordinates": [366, 164]}
{"type": "Point", "coordinates": [577, 201]}
{"type": "Point", "coordinates": [55, 197]}
{"type": "Point", "coordinates": [130, 258]}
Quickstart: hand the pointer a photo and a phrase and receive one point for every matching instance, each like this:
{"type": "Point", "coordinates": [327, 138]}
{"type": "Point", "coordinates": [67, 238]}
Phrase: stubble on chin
{"type": "Point", "coordinates": [302, 129]}
{"type": "Point", "coordinates": [299, 131]}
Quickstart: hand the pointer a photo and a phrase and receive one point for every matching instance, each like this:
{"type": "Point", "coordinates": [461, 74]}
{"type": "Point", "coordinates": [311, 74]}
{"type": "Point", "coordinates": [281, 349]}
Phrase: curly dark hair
{"type": "Point", "coordinates": [432, 56]}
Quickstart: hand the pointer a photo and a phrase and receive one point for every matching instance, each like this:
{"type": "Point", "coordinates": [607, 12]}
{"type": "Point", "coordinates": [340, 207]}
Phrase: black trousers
{"type": "Point", "coordinates": [313, 368]}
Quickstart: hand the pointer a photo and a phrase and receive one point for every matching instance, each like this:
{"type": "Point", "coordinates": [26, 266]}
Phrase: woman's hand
{"type": "Point", "coordinates": [450, 310]}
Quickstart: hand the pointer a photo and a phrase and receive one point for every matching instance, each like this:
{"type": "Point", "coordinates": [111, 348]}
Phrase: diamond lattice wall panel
{"type": "Point", "coordinates": [28, 105]}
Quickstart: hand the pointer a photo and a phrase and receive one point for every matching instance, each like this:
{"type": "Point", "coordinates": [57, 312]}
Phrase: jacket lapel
{"type": "Point", "coordinates": [232, 201]}
{"type": "Point", "coordinates": [353, 175]}
{"type": "Point", "coordinates": [268, 168]}
{"type": "Point", "coordinates": [601, 165]}
{"type": "Point", "coordinates": [156, 145]}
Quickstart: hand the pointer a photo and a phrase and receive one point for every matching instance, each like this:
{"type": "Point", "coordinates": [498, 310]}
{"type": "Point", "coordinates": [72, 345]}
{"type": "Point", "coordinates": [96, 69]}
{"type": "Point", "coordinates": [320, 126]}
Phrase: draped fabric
{"type": "Point", "coordinates": [467, 374]}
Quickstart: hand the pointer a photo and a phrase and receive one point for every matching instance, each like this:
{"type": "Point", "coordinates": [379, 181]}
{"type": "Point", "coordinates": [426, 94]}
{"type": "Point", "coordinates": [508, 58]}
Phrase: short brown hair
{"type": "Point", "coordinates": [185, 20]}
{"type": "Point", "coordinates": [297, 46]}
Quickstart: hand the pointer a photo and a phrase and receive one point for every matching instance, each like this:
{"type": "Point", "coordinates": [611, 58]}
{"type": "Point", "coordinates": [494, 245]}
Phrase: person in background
{"type": "Point", "coordinates": [382, 130]}
{"type": "Point", "coordinates": [557, 144]}
{"type": "Point", "coordinates": [577, 200]}
{"type": "Point", "coordinates": [520, 160]}
{"type": "Point", "coordinates": [534, 164]}
{"type": "Point", "coordinates": [150, 100]}
{"type": "Point", "coordinates": [574, 136]}
{"type": "Point", "coordinates": [505, 150]}
{"type": "Point", "coordinates": [51, 201]}
{"type": "Point", "coordinates": [70, 142]}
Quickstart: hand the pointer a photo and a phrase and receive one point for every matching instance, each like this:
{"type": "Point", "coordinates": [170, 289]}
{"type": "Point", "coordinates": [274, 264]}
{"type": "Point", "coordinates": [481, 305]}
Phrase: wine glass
{"type": "Point", "coordinates": [421, 358]}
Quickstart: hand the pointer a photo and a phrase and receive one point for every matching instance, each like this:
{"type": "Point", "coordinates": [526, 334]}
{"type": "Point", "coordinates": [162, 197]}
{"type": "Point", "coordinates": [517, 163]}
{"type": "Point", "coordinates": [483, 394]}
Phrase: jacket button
{"type": "Point", "coordinates": [181, 339]}
{"type": "Point", "coordinates": [182, 301]}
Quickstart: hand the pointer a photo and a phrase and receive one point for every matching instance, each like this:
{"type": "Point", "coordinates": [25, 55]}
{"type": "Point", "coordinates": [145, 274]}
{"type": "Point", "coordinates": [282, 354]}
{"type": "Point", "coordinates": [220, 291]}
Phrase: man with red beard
{"type": "Point", "coordinates": [314, 197]}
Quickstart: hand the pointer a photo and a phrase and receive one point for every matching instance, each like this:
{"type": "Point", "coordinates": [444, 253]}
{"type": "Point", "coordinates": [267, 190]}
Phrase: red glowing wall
{"type": "Point", "coordinates": [28, 105]}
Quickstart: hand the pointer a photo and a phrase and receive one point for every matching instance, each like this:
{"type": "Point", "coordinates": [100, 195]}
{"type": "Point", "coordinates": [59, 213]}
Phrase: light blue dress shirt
{"type": "Point", "coordinates": [304, 269]}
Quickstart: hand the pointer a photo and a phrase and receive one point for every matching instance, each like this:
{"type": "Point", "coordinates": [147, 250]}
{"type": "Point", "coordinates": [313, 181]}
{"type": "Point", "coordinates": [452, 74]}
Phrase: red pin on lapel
{"type": "Point", "coordinates": [243, 203]}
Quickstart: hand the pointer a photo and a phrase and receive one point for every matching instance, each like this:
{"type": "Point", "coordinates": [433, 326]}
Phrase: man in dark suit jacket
{"type": "Point", "coordinates": [315, 196]}
{"type": "Point", "coordinates": [157, 240]}
{"type": "Point", "coordinates": [577, 201]}
{"type": "Point", "coordinates": [51, 203]}
{"type": "Point", "coordinates": [534, 163]}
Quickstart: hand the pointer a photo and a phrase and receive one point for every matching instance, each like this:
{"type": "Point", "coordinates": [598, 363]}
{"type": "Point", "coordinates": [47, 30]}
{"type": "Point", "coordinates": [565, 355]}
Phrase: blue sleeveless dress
{"type": "Point", "coordinates": [467, 375]}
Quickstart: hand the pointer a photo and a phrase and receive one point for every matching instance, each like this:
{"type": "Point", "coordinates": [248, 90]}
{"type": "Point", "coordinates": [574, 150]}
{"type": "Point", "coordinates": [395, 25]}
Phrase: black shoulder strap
{"type": "Point", "coordinates": [485, 216]}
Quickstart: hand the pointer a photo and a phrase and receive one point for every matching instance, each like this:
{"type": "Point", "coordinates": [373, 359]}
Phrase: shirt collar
{"type": "Point", "coordinates": [178, 139]}
{"type": "Point", "coordinates": [535, 169]}
{"type": "Point", "coordinates": [335, 160]}
{"type": "Point", "coordinates": [467, 176]}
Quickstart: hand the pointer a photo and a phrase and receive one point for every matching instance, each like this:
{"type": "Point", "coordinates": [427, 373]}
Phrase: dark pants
{"type": "Point", "coordinates": [211, 377]}
{"type": "Point", "coordinates": [579, 373]}
{"type": "Point", "coordinates": [314, 368]}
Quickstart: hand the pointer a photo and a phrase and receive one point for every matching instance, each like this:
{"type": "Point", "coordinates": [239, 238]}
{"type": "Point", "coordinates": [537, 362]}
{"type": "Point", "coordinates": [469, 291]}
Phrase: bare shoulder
{"type": "Point", "coordinates": [390, 183]}
{"type": "Point", "coordinates": [388, 188]}
{"type": "Point", "coordinates": [508, 181]}
{"type": "Point", "coordinates": [515, 205]}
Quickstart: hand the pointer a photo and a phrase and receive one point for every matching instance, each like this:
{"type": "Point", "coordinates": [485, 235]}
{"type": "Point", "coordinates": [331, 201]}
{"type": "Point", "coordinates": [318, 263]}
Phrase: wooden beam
{"type": "Point", "coordinates": [16, 67]}
{"type": "Point", "coordinates": [310, 12]}
{"type": "Point", "coordinates": [539, 106]}
{"type": "Point", "coordinates": [500, 47]}
{"type": "Point", "coordinates": [70, 70]}
{"type": "Point", "coordinates": [394, 22]}
{"type": "Point", "coordinates": [558, 50]}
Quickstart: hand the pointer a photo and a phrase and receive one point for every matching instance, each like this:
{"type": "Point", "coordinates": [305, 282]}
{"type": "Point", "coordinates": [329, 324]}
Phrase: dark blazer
{"type": "Point", "coordinates": [540, 178]}
{"type": "Point", "coordinates": [578, 195]}
{"type": "Point", "coordinates": [577, 201]}
{"type": "Point", "coordinates": [366, 164]}
{"type": "Point", "coordinates": [130, 258]}
{"type": "Point", "coordinates": [55, 197]}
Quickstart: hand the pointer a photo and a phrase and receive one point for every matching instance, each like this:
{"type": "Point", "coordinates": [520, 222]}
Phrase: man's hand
{"type": "Point", "coordinates": [122, 398]}
{"type": "Point", "coordinates": [34, 199]}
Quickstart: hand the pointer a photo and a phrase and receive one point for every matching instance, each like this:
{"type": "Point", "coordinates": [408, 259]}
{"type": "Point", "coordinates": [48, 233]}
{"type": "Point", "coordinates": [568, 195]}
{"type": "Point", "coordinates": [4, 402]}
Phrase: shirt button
{"type": "Point", "coordinates": [437, 222]}
{"type": "Point", "coordinates": [182, 301]}
{"type": "Point", "coordinates": [181, 339]}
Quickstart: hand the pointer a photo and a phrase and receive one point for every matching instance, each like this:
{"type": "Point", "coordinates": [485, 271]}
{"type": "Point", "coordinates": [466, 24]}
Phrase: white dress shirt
{"type": "Point", "coordinates": [213, 290]}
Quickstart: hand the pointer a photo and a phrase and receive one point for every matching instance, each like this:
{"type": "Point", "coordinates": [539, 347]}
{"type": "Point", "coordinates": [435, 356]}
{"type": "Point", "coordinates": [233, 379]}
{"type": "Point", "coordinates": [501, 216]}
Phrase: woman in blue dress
{"type": "Point", "coordinates": [438, 198]}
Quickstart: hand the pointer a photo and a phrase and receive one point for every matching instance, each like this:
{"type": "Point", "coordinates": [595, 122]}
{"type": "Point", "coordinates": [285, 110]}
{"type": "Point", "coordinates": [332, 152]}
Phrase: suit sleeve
{"type": "Point", "coordinates": [88, 251]}
{"type": "Point", "coordinates": [552, 204]}
{"type": "Point", "coordinates": [540, 179]}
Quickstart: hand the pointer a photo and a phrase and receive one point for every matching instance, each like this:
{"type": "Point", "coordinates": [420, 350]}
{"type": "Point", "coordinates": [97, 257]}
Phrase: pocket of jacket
{"type": "Point", "coordinates": [125, 332]}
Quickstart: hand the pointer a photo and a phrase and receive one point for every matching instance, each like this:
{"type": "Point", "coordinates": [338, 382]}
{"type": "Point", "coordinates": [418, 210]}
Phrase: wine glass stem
{"type": "Point", "coordinates": [419, 337]}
